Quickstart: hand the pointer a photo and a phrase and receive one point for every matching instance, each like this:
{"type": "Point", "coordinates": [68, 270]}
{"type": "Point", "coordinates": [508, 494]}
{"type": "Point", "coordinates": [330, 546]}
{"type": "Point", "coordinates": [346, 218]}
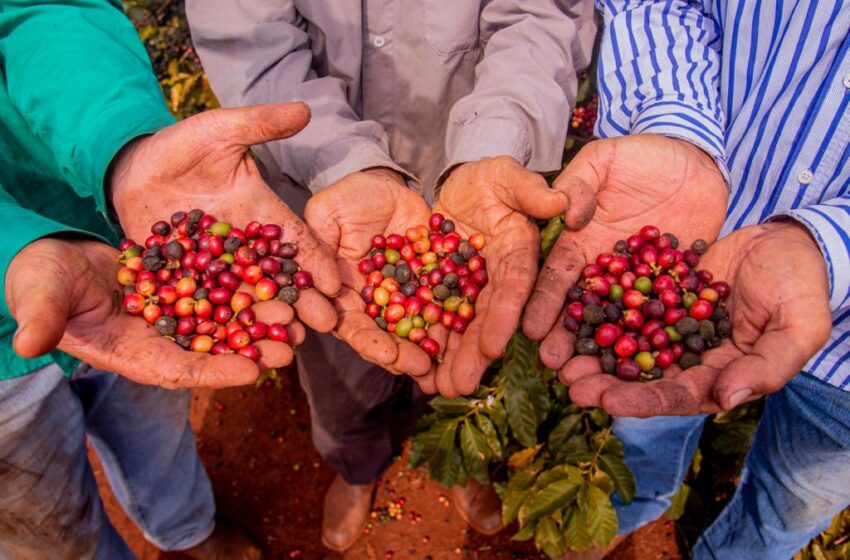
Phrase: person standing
{"type": "Point", "coordinates": [471, 99]}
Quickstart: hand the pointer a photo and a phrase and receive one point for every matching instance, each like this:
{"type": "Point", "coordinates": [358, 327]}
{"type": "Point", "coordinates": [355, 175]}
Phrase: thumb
{"type": "Point", "coordinates": [258, 124]}
{"type": "Point", "coordinates": [580, 182]}
{"type": "Point", "coordinates": [775, 359]}
{"type": "Point", "coordinates": [40, 300]}
{"type": "Point", "coordinates": [532, 196]}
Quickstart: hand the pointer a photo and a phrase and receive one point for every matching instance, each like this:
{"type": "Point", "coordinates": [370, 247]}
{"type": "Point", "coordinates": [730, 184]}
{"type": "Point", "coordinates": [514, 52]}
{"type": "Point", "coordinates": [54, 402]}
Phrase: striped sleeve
{"type": "Point", "coordinates": [829, 223]}
{"type": "Point", "coordinates": [659, 72]}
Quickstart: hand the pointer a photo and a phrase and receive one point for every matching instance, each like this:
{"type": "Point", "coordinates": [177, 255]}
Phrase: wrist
{"type": "Point", "coordinates": [391, 174]}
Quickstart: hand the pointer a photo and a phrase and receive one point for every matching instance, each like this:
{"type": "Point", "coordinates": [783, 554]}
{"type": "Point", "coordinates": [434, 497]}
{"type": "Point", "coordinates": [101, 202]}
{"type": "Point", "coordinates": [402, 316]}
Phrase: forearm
{"type": "Point", "coordinates": [659, 72]}
{"type": "Point", "coordinates": [80, 77]}
{"type": "Point", "coordinates": [525, 83]}
{"type": "Point", "coordinates": [258, 51]}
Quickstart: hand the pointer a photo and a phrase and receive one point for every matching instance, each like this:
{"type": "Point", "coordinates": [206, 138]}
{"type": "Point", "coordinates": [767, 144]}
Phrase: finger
{"type": "Point", "coordinates": [314, 257]}
{"type": "Point", "coordinates": [469, 363]}
{"type": "Point", "coordinates": [41, 300]}
{"type": "Point", "coordinates": [258, 124]}
{"type": "Point", "coordinates": [532, 196]}
{"type": "Point", "coordinates": [274, 354]}
{"type": "Point", "coordinates": [502, 301]}
{"type": "Point", "coordinates": [273, 311]}
{"type": "Point", "coordinates": [560, 271]}
{"type": "Point", "coordinates": [297, 333]}
{"type": "Point", "coordinates": [776, 357]}
{"type": "Point", "coordinates": [686, 394]}
{"type": "Point", "coordinates": [578, 368]}
{"type": "Point", "coordinates": [316, 311]}
{"type": "Point", "coordinates": [580, 181]}
{"type": "Point", "coordinates": [444, 370]}
{"type": "Point", "coordinates": [440, 334]}
{"type": "Point", "coordinates": [361, 332]}
{"type": "Point", "coordinates": [412, 360]}
{"type": "Point", "coordinates": [588, 391]}
{"type": "Point", "coordinates": [557, 347]}
{"type": "Point", "coordinates": [427, 383]}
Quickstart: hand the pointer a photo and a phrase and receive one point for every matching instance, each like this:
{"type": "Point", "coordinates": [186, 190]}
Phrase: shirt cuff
{"type": "Point", "coordinates": [29, 227]}
{"type": "Point", "coordinates": [828, 225]}
{"type": "Point", "coordinates": [118, 127]}
{"type": "Point", "coordinates": [349, 155]}
{"type": "Point", "coordinates": [480, 138]}
{"type": "Point", "coordinates": [684, 121]}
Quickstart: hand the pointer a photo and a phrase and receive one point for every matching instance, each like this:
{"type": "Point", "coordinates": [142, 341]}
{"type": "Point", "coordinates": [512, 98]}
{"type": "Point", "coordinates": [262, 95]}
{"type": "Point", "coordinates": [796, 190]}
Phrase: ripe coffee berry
{"type": "Point", "coordinates": [427, 276]}
{"type": "Point", "coordinates": [184, 281]}
{"type": "Point", "coordinates": [647, 306]}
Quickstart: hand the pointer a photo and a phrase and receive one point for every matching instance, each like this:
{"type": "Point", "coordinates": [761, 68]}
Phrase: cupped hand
{"type": "Point", "coordinates": [204, 162]}
{"type": "Point", "coordinates": [63, 294]}
{"type": "Point", "coordinates": [624, 183]}
{"type": "Point", "coordinates": [498, 198]}
{"type": "Point", "coordinates": [779, 306]}
{"type": "Point", "coordinates": [345, 217]}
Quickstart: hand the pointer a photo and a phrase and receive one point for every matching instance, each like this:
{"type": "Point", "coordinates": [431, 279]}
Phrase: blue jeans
{"type": "Point", "coordinates": [49, 503]}
{"type": "Point", "coordinates": [796, 475]}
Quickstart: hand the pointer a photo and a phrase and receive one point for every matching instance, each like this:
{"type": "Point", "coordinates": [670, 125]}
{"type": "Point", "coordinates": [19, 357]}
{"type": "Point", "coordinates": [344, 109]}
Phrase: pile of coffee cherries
{"type": "Point", "coordinates": [190, 278]}
{"type": "Point", "coordinates": [647, 306]}
{"type": "Point", "coordinates": [428, 276]}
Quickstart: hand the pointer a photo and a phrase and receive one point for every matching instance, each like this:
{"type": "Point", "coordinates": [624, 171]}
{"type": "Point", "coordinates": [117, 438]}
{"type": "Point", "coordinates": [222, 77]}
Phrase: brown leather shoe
{"type": "Point", "coordinates": [479, 506]}
{"type": "Point", "coordinates": [594, 553]}
{"type": "Point", "coordinates": [347, 508]}
{"type": "Point", "coordinates": [227, 542]}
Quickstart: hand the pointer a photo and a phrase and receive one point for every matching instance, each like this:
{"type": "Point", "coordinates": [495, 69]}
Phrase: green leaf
{"type": "Point", "coordinates": [499, 416]}
{"type": "Point", "coordinates": [511, 503]}
{"type": "Point", "coordinates": [566, 428]}
{"type": "Point", "coordinates": [601, 517]}
{"type": "Point", "coordinates": [476, 453]}
{"type": "Point", "coordinates": [549, 234]}
{"type": "Point", "coordinates": [456, 407]}
{"type": "Point", "coordinates": [522, 480]}
{"type": "Point", "coordinates": [432, 445]}
{"type": "Point", "coordinates": [526, 532]}
{"type": "Point", "coordinates": [552, 498]}
{"type": "Point", "coordinates": [548, 538]}
{"type": "Point", "coordinates": [599, 417]}
{"type": "Point", "coordinates": [575, 531]}
{"type": "Point", "coordinates": [522, 417]}
{"type": "Point", "coordinates": [491, 436]}
{"type": "Point", "coordinates": [621, 476]}
{"type": "Point", "coordinates": [558, 472]}
{"type": "Point", "coordinates": [449, 471]}
{"type": "Point", "coordinates": [677, 504]}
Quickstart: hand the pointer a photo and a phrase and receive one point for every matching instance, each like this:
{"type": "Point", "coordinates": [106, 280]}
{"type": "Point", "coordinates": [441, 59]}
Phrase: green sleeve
{"type": "Point", "coordinates": [78, 73]}
{"type": "Point", "coordinates": [23, 227]}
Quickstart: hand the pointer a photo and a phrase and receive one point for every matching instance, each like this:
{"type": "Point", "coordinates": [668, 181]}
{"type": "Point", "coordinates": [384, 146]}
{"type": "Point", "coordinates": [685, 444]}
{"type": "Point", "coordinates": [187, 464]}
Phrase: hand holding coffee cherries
{"type": "Point", "coordinates": [494, 197]}
{"type": "Point", "coordinates": [62, 294]}
{"type": "Point", "coordinates": [203, 162]}
{"type": "Point", "coordinates": [346, 216]}
{"type": "Point", "coordinates": [624, 184]}
{"type": "Point", "coordinates": [780, 314]}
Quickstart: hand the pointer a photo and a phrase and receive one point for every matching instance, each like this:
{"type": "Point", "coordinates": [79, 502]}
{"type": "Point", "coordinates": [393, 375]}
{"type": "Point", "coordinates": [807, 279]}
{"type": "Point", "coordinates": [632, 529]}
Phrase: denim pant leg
{"type": "Point", "coordinates": [143, 437]}
{"type": "Point", "coordinates": [49, 503]}
{"type": "Point", "coordinates": [658, 451]}
{"type": "Point", "coordinates": [353, 423]}
{"type": "Point", "coordinates": [795, 478]}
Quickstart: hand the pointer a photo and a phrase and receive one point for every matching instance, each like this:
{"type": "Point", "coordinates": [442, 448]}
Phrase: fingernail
{"type": "Point", "coordinates": [739, 396]}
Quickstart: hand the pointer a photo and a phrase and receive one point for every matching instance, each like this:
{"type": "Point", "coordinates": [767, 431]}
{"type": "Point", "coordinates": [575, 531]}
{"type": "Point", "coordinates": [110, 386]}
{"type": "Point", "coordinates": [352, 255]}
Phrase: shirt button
{"type": "Point", "coordinates": [379, 41]}
{"type": "Point", "coordinates": [846, 81]}
{"type": "Point", "coordinates": [805, 177]}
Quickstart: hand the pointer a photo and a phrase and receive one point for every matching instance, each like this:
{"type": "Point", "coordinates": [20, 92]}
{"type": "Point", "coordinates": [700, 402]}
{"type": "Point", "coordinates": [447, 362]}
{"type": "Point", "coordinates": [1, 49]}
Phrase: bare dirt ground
{"type": "Point", "coordinates": [268, 478]}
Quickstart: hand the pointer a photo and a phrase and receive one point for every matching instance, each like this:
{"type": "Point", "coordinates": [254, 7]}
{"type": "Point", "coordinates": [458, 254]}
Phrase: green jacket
{"type": "Point", "coordinates": [76, 85]}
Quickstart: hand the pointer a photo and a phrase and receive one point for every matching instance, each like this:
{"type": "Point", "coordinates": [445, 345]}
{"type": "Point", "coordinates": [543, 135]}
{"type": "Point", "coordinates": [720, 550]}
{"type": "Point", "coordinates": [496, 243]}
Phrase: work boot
{"type": "Point", "coordinates": [227, 542]}
{"type": "Point", "coordinates": [479, 506]}
{"type": "Point", "coordinates": [347, 508]}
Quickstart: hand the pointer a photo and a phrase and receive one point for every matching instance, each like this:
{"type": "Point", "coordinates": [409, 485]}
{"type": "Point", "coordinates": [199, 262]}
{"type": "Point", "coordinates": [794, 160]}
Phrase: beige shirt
{"type": "Point", "coordinates": [416, 85]}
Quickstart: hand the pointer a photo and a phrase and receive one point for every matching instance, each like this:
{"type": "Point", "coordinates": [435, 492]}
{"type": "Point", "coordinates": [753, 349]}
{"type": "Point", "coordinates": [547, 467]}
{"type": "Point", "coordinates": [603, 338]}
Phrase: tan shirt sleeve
{"type": "Point", "coordinates": [258, 51]}
{"type": "Point", "coordinates": [525, 83]}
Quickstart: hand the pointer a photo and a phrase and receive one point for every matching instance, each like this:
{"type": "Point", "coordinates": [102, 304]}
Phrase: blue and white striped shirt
{"type": "Point", "coordinates": [764, 87]}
